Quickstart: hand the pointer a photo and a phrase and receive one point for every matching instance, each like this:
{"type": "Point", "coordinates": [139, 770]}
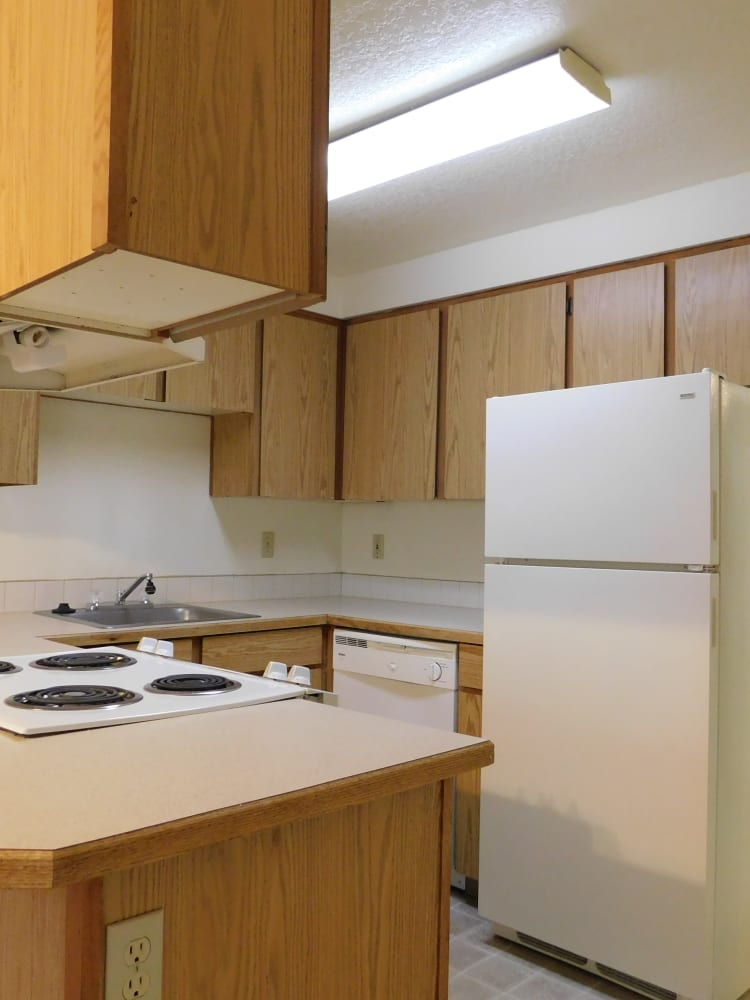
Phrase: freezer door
{"type": "Point", "coordinates": [596, 822]}
{"type": "Point", "coordinates": [621, 473]}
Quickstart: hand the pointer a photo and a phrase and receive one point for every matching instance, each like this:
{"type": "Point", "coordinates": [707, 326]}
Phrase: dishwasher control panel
{"type": "Point", "coordinates": [412, 661]}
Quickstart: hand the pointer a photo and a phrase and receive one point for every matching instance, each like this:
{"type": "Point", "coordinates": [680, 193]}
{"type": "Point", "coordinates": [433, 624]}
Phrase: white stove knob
{"type": "Point", "coordinates": [162, 647]}
{"type": "Point", "coordinates": [275, 670]}
{"type": "Point", "coordinates": [436, 671]}
{"type": "Point", "coordinates": [300, 675]}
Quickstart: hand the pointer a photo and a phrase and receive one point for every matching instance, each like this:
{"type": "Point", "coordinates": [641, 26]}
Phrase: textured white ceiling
{"type": "Point", "coordinates": [679, 72]}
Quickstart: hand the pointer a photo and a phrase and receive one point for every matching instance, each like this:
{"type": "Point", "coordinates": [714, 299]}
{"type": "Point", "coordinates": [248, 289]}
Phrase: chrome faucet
{"type": "Point", "coordinates": [123, 595]}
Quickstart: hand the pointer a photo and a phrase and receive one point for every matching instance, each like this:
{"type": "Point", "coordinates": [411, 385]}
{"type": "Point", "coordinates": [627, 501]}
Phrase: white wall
{"type": "Point", "coordinates": [429, 539]}
{"type": "Point", "coordinates": [700, 214]}
{"type": "Point", "coordinates": [124, 490]}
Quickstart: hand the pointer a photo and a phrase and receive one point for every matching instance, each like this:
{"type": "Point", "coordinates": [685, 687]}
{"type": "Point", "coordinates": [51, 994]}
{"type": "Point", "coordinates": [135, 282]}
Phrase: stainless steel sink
{"type": "Point", "coordinates": [118, 616]}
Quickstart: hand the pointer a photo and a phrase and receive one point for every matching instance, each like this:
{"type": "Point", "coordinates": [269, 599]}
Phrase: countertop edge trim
{"type": "Point", "coordinates": [33, 869]}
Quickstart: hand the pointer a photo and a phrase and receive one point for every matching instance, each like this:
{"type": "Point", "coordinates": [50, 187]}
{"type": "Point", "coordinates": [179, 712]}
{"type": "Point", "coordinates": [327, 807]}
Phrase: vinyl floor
{"type": "Point", "coordinates": [486, 967]}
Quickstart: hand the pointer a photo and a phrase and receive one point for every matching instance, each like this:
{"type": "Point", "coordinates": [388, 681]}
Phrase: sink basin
{"type": "Point", "coordinates": [140, 615]}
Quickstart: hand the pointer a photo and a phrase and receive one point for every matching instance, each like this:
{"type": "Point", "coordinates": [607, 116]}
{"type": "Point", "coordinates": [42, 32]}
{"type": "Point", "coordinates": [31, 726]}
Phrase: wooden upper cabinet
{"type": "Point", "coordinates": [19, 440]}
{"type": "Point", "coordinates": [168, 161]}
{"type": "Point", "coordinates": [712, 313]}
{"type": "Point", "coordinates": [390, 410]}
{"type": "Point", "coordinates": [299, 410]}
{"type": "Point", "coordinates": [494, 346]}
{"type": "Point", "coordinates": [235, 455]}
{"type": "Point", "coordinates": [617, 330]}
{"type": "Point", "coordinates": [227, 381]}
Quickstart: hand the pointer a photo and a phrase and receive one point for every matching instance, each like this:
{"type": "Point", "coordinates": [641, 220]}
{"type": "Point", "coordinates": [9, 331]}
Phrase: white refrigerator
{"type": "Point", "coordinates": [615, 823]}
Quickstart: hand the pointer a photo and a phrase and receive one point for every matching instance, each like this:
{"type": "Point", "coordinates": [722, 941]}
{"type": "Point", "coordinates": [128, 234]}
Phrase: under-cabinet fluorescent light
{"type": "Point", "coordinates": [525, 100]}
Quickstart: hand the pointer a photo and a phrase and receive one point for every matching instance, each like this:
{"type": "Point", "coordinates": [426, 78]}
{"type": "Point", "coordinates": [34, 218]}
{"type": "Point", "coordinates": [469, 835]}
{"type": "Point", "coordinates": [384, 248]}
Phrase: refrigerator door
{"type": "Point", "coordinates": [596, 829]}
{"type": "Point", "coordinates": [620, 473]}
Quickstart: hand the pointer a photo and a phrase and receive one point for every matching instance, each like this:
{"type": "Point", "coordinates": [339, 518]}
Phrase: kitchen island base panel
{"type": "Point", "coordinates": [51, 943]}
{"type": "Point", "coordinates": [350, 904]}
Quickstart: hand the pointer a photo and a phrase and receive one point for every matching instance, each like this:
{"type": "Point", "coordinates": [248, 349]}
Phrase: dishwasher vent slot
{"type": "Point", "coordinates": [350, 640]}
{"type": "Point", "coordinates": [641, 985]}
{"type": "Point", "coordinates": [551, 949]}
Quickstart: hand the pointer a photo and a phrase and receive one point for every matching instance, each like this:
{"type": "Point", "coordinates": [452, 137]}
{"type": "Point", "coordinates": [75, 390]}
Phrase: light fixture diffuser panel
{"type": "Point", "coordinates": [543, 93]}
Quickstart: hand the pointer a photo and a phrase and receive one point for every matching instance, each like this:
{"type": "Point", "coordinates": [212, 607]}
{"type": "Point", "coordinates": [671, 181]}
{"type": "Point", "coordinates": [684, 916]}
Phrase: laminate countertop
{"type": "Point", "coordinates": [24, 632]}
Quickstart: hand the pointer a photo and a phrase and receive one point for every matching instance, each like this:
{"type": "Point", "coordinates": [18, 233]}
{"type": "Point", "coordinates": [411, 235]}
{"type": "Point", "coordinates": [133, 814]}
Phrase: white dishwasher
{"type": "Point", "coordinates": [405, 679]}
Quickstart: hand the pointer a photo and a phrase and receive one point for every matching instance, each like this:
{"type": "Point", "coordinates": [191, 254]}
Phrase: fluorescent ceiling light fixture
{"type": "Point", "coordinates": [543, 93]}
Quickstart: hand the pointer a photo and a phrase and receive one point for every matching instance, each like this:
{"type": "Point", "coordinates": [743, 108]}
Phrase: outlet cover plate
{"type": "Point", "coordinates": [267, 544]}
{"type": "Point", "coordinates": [135, 948]}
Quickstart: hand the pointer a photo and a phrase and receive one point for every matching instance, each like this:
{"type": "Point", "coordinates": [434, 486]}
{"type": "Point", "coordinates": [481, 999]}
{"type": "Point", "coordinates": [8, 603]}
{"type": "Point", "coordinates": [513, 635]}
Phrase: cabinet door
{"type": "Point", "coordinates": [19, 441]}
{"type": "Point", "coordinates": [235, 455]}
{"type": "Point", "coordinates": [251, 651]}
{"type": "Point", "coordinates": [226, 382]}
{"type": "Point", "coordinates": [184, 649]}
{"type": "Point", "coordinates": [617, 329]}
{"type": "Point", "coordinates": [180, 133]}
{"type": "Point", "coordinates": [712, 313]}
{"type": "Point", "coordinates": [494, 346]}
{"type": "Point", "coordinates": [299, 408]}
{"type": "Point", "coordinates": [390, 415]}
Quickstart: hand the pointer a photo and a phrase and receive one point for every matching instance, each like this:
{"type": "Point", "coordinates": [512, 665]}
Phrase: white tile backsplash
{"type": "Point", "coordinates": [173, 589]}
{"type": "Point", "coordinates": [452, 593]}
{"type": "Point", "coordinates": [244, 588]}
{"type": "Point", "coordinates": [19, 595]}
{"type": "Point", "coordinates": [43, 595]}
{"type": "Point", "coordinates": [77, 593]}
{"type": "Point", "coordinates": [47, 594]}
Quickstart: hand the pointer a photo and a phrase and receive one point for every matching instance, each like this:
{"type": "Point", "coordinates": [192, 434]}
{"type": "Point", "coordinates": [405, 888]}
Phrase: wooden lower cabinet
{"type": "Point", "coordinates": [250, 652]}
{"type": "Point", "coordinates": [184, 649]}
{"type": "Point", "coordinates": [468, 784]}
{"type": "Point", "coordinates": [352, 904]}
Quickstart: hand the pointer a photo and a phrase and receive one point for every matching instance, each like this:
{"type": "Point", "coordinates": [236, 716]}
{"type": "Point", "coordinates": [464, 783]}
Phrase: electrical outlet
{"type": "Point", "coordinates": [268, 541]}
{"type": "Point", "coordinates": [133, 965]}
{"type": "Point", "coordinates": [378, 546]}
{"type": "Point", "coordinates": [137, 985]}
{"type": "Point", "coordinates": [137, 951]}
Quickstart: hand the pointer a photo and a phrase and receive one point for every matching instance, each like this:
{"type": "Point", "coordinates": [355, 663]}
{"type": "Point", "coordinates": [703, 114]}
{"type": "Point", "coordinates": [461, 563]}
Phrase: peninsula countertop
{"type": "Point", "coordinates": [80, 803]}
{"type": "Point", "coordinates": [84, 802]}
